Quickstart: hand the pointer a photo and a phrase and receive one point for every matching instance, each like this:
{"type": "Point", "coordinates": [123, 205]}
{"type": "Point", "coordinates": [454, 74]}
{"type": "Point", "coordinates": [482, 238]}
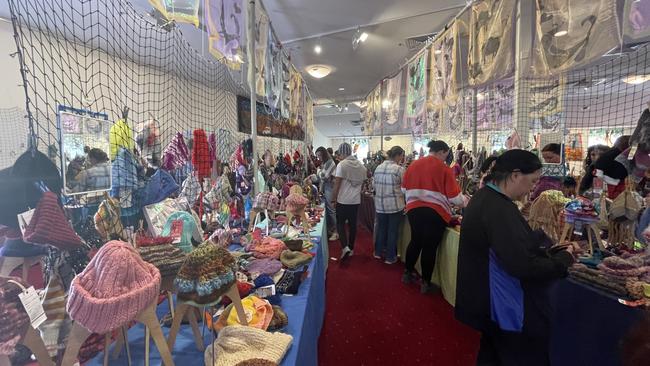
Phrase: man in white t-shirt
{"type": "Point", "coordinates": [349, 176]}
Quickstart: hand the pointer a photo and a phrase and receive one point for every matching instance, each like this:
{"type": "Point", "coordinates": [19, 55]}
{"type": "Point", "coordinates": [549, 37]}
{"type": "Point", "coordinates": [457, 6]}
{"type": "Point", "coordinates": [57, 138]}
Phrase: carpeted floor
{"type": "Point", "coordinates": [373, 319]}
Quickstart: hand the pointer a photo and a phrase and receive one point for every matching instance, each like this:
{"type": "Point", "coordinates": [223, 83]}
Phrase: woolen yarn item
{"type": "Point", "coordinates": [279, 321]}
{"type": "Point", "coordinates": [239, 343]}
{"type": "Point", "coordinates": [115, 286]}
{"type": "Point", "coordinates": [257, 362]}
{"type": "Point", "coordinates": [160, 186]}
{"type": "Point", "coordinates": [166, 257]}
{"type": "Point", "coordinates": [13, 318]}
{"type": "Point", "coordinates": [294, 259]}
{"type": "Point", "coordinates": [207, 273]}
{"type": "Point", "coordinates": [268, 266]}
{"type": "Point", "coordinates": [190, 230]}
{"type": "Point", "coordinates": [258, 312]}
{"type": "Point", "coordinates": [266, 280]}
{"type": "Point", "coordinates": [268, 248]}
{"type": "Point", "coordinates": [50, 226]}
{"type": "Point", "coordinates": [176, 154]}
{"type": "Point", "coordinates": [290, 282]}
{"type": "Point", "coordinates": [201, 159]}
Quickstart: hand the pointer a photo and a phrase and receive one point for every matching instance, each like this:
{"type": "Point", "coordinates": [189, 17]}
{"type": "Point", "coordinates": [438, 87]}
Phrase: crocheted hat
{"type": "Point", "coordinates": [50, 226]}
{"type": "Point", "coordinates": [257, 362]}
{"type": "Point", "coordinates": [259, 314]}
{"type": "Point", "coordinates": [268, 248]}
{"type": "Point", "coordinates": [238, 343]}
{"type": "Point", "coordinates": [115, 286]}
{"type": "Point", "coordinates": [294, 259]}
{"type": "Point", "coordinates": [266, 201]}
{"type": "Point", "coordinates": [190, 230]}
{"type": "Point", "coordinates": [13, 317]}
{"type": "Point", "coordinates": [207, 273]}
{"type": "Point", "coordinates": [267, 266]}
{"type": "Point", "coordinates": [279, 320]}
{"type": "Point", "coordinates": [166, 257]}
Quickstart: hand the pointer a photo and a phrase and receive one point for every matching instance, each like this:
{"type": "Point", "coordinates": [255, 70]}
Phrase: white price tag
{"type": "Point", "coordinates": [32, 303]}
{"type": "Point", "coordinates": [24, 219]}
{"type": "Point", "coordinates": [266, 291]}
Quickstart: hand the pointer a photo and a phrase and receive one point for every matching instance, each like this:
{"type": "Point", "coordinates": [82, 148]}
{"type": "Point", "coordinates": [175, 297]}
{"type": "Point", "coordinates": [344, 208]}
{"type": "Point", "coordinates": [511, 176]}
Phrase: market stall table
{"type": "Point", "coordinates": [305, 311]}
{"type": "Point", "coordinates": [366, 214]}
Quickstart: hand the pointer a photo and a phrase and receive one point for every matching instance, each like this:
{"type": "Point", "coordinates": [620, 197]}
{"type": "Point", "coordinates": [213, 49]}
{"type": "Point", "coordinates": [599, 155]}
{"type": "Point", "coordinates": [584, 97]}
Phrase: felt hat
{"type": "Point", "coordinates": [13, 317]}
{"type": "Point", "coordinates": [50, 226]}
{"type": "Point", "coordinates": [238, 343]}
{"type": "Point", "coordinates": [279, 320]}
{"type": "Point", "coordinates": [207, 273]}
{"type": "Point", "coordinates": [267, 266]}
{"type": "Point", "coordinates": [294, 259]}
{"type": "Point", "coordinates": [190, 230]}
{"type": "Point", "coordinates": [166, 257]}
{"type": "Point", "coordinates": [115, 286]}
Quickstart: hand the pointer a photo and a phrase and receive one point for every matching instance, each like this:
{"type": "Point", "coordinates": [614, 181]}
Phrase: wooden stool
{"type": "Point", "coordinates": [592, 229]}
{"type": "Point", "coordinates": [8, 264]}
{"type": "Point", "coordinates": [183, 307]}
{"type": "Point", "coordinates": [148, 317]}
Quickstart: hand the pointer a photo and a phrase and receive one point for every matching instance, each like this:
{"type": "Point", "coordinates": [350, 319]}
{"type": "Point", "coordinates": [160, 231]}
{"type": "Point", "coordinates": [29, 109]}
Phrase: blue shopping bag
{"type": "Point", "coordinates": [506, 297]}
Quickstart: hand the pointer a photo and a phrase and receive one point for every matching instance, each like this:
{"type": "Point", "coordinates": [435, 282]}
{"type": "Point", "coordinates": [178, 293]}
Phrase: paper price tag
{"type": "Point", "coordinates": [176, 231]}
{"type": "Point", "coordinates": [32, 304]}
{"type": "Point", "coordinates": [266, 291]}
{"type": "Point", "coordinates": [24, 219]}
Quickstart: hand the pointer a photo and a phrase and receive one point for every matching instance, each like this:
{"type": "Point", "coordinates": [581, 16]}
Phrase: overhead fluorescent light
{"type": "Point", "coordinates": [635, 79]}
{"type": "Point", "coordinates": [561, 33]}
{"type": "Point", "coordinates": [319, 71]}
{"type": "Point", "coordinates": [363, 37]}
{"type": "Point", "coordinates": [358, 38]}
{"type": "Point", "coordinates": [318, 49]}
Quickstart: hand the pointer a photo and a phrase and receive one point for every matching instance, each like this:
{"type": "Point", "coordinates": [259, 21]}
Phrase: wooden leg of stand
{"type": "Point", "coordinates": [147, 345]}
{"type": "Point", "coordinates": [4, 361]}
{"type": "Point", "coordinates": [594, 228]}
{"type": "Point", "coordinates": [566, 232]}
{"type": "Point", "coordinates": [126, 342]}
{"type": "Point", "coordinates": [176, 324]}
{"type": "Point", "coordinates": [233, 294]}
{"type": "Point", "coordinates": [150, 320]}
{"type": "Point", "coordinates": [77, 337]}
{"type": "Point", "coordinates": [170, 300]}
{"type": "Point", "coordinates": [107, 343]}
{"type": "Point", "coordinates": [34, 342]}
{"type": "Point", "coordinates": [8, 264]}
{"type": "Point", "coordinates": [119, 344]}
{"type": "Point", "coordinates": [198, 340]}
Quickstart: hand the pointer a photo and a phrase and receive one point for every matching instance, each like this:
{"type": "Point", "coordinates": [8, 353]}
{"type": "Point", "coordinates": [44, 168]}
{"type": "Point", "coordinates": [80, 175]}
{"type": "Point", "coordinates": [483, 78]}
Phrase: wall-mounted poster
{"type": "Point", "coordinates": [416, 99]}
{"type": "Point", "coordinates": [226, 29]}
{"type": "Point", "coordinates": [85, 147]}
{"type": "Point", "coordinates": [267, 124]}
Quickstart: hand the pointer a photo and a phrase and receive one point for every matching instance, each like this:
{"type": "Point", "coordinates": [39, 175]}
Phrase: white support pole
{"type": "Point", "coordinates": [251, 84]}
{"type": "Point", "coordinates": [525, 14]}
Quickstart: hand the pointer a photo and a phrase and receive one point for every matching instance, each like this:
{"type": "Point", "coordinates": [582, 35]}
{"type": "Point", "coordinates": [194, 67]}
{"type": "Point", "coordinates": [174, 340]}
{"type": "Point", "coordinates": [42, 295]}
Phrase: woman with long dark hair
{"type": "Point", "coordinates": [503, 274]}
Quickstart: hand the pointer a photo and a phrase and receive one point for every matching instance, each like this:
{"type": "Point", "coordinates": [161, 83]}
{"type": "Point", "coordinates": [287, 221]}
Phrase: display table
{"type": "Point", "coordinates": [444, 273]}
{"type": "Point", "coordinates": [305, 311]}
{"type": "Point", "coordinates": [366, 213]}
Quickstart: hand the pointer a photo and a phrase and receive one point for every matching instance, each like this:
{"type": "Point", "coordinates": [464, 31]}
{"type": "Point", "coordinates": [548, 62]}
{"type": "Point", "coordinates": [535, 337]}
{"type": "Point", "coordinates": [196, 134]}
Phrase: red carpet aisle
{"type": "Point", "coordinates": [373, 319]}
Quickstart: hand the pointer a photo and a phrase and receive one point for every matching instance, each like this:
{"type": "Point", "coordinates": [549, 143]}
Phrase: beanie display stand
{"type": "Point", "coordinates": [32, 340]}
{"type": "Point", "coordinates": [183, 307]}
{"type": "Point", "coordinates": [148, 317]}
{"type": "Point", "coordinates": [592, 233]}
{"type": "Point", "coordinates": [9, 264]}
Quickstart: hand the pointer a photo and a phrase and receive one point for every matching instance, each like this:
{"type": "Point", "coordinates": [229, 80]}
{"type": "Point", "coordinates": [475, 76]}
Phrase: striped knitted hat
{"type": "Point", "coordinates": [207, 273]}
{"type": "Point", "coordinates": [166, 257]}
{"type": "Point", "coordinates": [115, 286]}
{"type": "Point", "coordinates": [50, 226]}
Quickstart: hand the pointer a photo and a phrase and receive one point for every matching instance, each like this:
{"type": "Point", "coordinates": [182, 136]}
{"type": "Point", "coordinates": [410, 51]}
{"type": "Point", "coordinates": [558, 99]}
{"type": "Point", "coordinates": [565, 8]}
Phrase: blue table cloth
{"type": "Point", "coordinates": [305, 311]}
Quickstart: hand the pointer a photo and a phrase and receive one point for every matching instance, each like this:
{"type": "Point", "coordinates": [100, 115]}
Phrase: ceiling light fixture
{"type": "Point", "coordinates": [363, 37]}
{"type": "Point", "coordinates": [341, 89]}
{"type": "Point", "coordinates": [635, 79]}
{"type": "Point", "coordinates": [561, 33]}
{"type": "Point", "coordinates": [319, 71]}
{"type": "Point", "coordinates": [358, 38]}
{"type": "Point", "coordinates": [318, 49]}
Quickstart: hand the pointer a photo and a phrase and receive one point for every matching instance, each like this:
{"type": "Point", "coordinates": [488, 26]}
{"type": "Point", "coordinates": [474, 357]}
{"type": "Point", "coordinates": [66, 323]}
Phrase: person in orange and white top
{"type": "Point", "coordinates": [430, 190]}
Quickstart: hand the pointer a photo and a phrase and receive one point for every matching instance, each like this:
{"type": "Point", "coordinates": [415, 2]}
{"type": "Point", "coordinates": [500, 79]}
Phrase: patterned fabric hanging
{"type": "Point", "coordinates": [636, 21]}
{"type": "Point", "coordinates": [571, 34]}
{"type": "Point", "coordinates": [545, 103]}
{"type": "Point", "coordinates": [295, 97]}
{"type": "Point", "coordinates": [392, 92]}
{"type": "Point", "coordinates": [272, 72]}
{"type": "Point", "coordinates": [416, 94]}
{"type": "Point", "coordinates": [286, 78]}
{"type": "Point", "coordinates": [180, 11]}
{"type": "Point", "coordinates": [442, 77]}
{"type": "Point", "coordinates": [261, 44]}
{"type": "Point", "coordinates": [226, 31]}
{"type": "Point", "coordinates": [491, 40]}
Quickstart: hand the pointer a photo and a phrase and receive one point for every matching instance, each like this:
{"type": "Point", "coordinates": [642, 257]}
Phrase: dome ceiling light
{"type": "Point", "coordinates": [319, 71]}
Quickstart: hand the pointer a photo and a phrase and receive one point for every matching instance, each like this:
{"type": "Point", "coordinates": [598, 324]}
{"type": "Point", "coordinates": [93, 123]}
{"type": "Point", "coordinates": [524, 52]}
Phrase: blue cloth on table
{"type": "Point", "coordinates": [305, 311]}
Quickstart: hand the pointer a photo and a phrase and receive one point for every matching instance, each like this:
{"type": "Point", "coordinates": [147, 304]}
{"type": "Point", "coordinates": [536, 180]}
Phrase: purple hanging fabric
{"type": "Point", "coordinates": [176, 154]}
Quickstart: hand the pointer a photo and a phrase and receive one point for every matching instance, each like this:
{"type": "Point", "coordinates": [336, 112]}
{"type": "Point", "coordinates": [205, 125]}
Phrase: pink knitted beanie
{"type": "Point", "coordinates": [115, 286]}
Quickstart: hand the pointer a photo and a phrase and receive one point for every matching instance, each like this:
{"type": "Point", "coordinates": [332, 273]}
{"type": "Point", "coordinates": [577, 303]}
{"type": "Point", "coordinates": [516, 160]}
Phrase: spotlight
{"type": "Point", "coordinates": [318, 49]}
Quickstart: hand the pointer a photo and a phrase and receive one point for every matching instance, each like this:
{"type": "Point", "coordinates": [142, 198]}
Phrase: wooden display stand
{"type": "Point", "coordinates": [32, 340]}
{"type": "Point", "coordinates": [9, 264]}
{"type": "Point", "coordinates": [79, 334]}
{"type": "Point", "coordinates": [184, 307]}
{"type": "Point", "coordinates": [593, 232]}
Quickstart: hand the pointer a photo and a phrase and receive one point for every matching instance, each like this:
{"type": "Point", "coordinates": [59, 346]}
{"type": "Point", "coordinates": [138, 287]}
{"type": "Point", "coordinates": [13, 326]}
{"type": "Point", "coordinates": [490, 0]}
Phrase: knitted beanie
{"type": "Point", "coordinates": [166, 257]}
{"type": "Point", "coordinates": [294, 259]}
{"type": "Point", "coordinates": [50, 226]}
{"type": "Point", "coordinates": [268, 266]}
{"type": "Point", "coordinates": [258, 312]}
{"type": "Point", "coordinates": [13, 318]}
{"type": "Point", "coordinates": [207, 273]}
{"type": "Point", "coordinates": [115, 286]}
{"type": "Point", "coordinates": [268, 248]}
{"type": "Point", "coordinates": [257, 362]}
{"type": "Point", "coordinates": [279, 320]}
{"type": "Point", "coordinates": [201, 158]}
{"type": "Point", "coordinates": [238, 343]}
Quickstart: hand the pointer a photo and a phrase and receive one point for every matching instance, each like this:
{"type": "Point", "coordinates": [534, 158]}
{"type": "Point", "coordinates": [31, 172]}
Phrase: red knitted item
{"type": "Point", "coordinates": [147, 241]}
{"type": "Point", "coordinates": [50, 226]}
{"type": "Point", "coordinates": [201, 155]}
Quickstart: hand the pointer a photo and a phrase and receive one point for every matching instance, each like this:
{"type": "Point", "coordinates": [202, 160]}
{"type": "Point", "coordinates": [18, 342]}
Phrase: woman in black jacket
{"type": "Point", "coordinates": [503, 270]}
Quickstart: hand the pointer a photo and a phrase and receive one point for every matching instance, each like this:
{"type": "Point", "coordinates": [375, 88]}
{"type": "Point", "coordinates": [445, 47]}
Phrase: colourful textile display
{"type": "Point", "coordinates": [416, 94]}
{"type": "Point", "coordinates": [226, 29]}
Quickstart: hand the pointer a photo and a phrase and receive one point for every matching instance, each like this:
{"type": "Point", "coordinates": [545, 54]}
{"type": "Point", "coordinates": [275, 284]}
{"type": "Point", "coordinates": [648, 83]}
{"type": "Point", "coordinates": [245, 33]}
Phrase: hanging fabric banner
{"type": "Point", "coordinates": [491, 41]}
{"type": "Point", "coordinates": [442, 72]}
{"type": "Point", "coordinates": [295, 97]}
{"type": "Point", "coordinates": [571, 34]}
{"type": "Point", "coordinates": [273, 73]}
{"type": "Point", "coordinates": [226, 31]}
{"type": "Point", "coordinates": [434, 120]}
{"type": "Point", "coordinates": [636, 21]}
{"type": "Point", "coordinates": [285, 74]}
{"type": "Point", "coordinates": [416, 98]}
{"type": "Point", "coordinates": [261, 46]}
{"type": "Point", "coordinates": [309, 117]}
{"type": "Point", "coordinates": [370, 114]}
{"type": "Point", "coordinates": [183, 11]}
{"type": "Point", "coordinates": [376, 108]}
{"type": "Point", "coordinates": [545, 104]}
{"type": "Point", "coordinates": [392, 92]}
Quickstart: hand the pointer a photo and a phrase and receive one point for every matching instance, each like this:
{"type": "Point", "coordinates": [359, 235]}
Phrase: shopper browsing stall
{"type": "Point", "coordinates": [326, 175]}
{"type": "Point", "coordinates": [552, 154]}
{"type": "Point", "coordinates": [503, 274]}
{"type": "Point", "coordinates": [389, 204]}
{"type": "Point", "coordinates": [349, 177]}
{"type": "Point", "coordinates": [430, 190]}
